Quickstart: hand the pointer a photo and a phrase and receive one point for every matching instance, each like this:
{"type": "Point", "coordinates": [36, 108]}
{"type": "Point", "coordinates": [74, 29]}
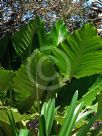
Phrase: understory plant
{"type": "Point", "coordinates": [74, 115]}
{"type": "Point", "coordinates": [39, 68]}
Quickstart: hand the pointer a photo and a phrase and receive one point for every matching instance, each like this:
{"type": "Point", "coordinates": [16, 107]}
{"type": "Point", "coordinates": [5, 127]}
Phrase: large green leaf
{"type": "Point", "coordinates": [23, 40]}
{"type": "Point", "coordinates": [17, 116]}
{"type": "Point", "coordinates": [84, 49]}
{"type": "Point", "coordinates": [62, 61]}
{"type": "Point", "coordinates": [30, 37]}
{"type": "Point", "coordinates": [34, 77]}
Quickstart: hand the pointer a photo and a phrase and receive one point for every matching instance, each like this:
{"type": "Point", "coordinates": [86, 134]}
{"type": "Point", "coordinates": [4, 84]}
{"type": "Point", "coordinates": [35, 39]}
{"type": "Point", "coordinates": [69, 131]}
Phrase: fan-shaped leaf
{"type": "Point", "coordinates": [35, 75]}
{"type": "Point", "coordinates": [84, 49]}
{"type": "Point", "coordinates": [23, 40]}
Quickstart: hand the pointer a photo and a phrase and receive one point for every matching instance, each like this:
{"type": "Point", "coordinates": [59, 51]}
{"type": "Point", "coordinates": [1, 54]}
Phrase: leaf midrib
{"type": "Point", "coordinates": [78, 59]}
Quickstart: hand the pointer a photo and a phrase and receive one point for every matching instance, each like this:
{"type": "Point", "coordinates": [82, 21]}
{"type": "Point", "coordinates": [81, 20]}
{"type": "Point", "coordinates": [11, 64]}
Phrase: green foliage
{"type": "Point", "coordinates": [59, 33]}
{"type": "Point", "coordinates": [93, 91]}
{"type": "Point", "coordinates": [3, 45]}
{"type": "Point", "coordinates": [99, 100]}
{"type": "Point", "coordinates": [27, 80]}
{"type": "Point", "coordinates": [84, 49]}
{"type": "Point", "coordinates": [17, 116]}
{"type": "Point", "coordinates": [22, 132]}
{"type": "Point", "coordinates": [47, 118]}
{"type": "Point", "coordinates": [49, 61]}
{"type": "Point", "coordinates": [62, 61]}
{"type": "Point", "coordinates": [23, 40]}
{"type": "Point", "coordinates": [6, 79]}
{"type": "Point", "coordinates": [82, 85]}
{"type": "Point", "coordinates": [72, 118]}
{"type": "Point", "coordinates": [5, 129]}
{"type": "Point", "coordinates": [30, 37]}
{"type": "Point", "coordinates": [12, 122]}
{"type": "Point", "coordinates": [84, 130]}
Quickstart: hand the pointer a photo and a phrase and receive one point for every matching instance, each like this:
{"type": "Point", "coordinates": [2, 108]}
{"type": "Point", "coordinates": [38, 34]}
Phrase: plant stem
{"type": "Point", "coordinates": [37, 99]}
{"type": "Point", "coordinates": [37, 93]}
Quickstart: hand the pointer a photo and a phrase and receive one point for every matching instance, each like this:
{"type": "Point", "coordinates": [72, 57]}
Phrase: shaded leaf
{"type": "Point", "coordinates": [3, 45]}
{"type": "Point", "coordinates": [6, 78]}
{"type": "Point", "coordinates": [34, 75]}
{"type": "Point", "coordinates": [93, 91]}
{"type": "Point", "coordinates": [17, 116]}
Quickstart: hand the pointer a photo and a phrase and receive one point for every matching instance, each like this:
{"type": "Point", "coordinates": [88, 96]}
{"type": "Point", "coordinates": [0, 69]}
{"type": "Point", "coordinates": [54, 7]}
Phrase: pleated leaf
{"type": "Point", "coordinates": [23, 39]}
{"type": "Point", "coordinates": [84, 49]}
{"type": "Point", "coordinates": [33, 76]}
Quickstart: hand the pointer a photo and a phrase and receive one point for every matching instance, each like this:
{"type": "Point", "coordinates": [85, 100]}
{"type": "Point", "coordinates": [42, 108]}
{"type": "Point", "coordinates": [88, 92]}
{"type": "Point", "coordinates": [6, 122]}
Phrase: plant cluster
{"type": "Point", "coordinates": [39, 75]}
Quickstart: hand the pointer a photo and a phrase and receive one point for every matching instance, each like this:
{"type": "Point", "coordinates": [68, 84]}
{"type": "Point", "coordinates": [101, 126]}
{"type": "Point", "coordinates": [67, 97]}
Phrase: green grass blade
{"type": "Point", "coordinates": [50, 116]}
{"type": "Point", "coordinates": [69, 115]}
{"type": "Point", "coordinates": [42, 126]}
{"type": "Point", "coordinates": [11, 120]}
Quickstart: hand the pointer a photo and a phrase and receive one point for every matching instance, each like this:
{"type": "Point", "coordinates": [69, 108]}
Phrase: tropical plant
{"type": "Point", "coordinates": [82, 49]}
{"type": "Point", "coordinates": [22, 132]}
{"type": "Point", "coordinates": [51, 65]}
{"type": "Point", "coordinates": [72, 118]}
